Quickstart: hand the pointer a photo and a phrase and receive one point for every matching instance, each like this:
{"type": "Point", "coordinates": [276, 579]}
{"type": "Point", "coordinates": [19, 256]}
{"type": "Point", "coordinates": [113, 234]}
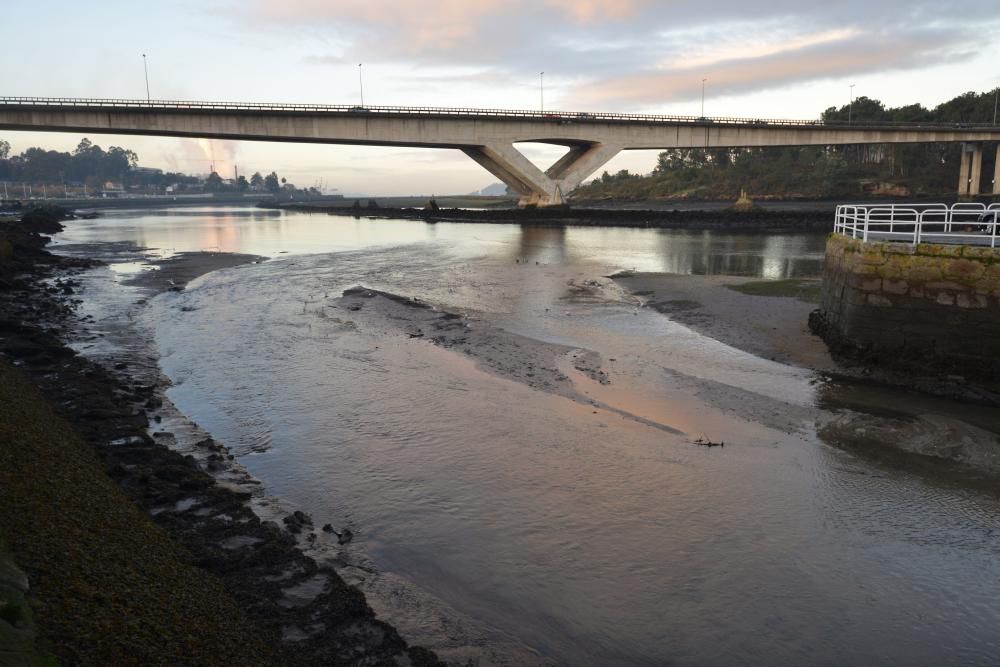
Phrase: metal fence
{"type": "Point", "coordinates": [560, 116]}
{"type": "Point", "coordinates": [958, 224]}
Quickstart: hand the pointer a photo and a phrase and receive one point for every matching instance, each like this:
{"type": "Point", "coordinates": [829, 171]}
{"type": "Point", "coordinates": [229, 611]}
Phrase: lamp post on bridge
{"type": "Point", "coordinates": [361, 85]}
{"type": "Point", "coordinates": [850, 107]}
{"type": "Point", "coordinates": [145, 71]}
{"type": "Point", "coordinates": [703, 97]}
{"type": "Point", "coordinates": [541, 91]}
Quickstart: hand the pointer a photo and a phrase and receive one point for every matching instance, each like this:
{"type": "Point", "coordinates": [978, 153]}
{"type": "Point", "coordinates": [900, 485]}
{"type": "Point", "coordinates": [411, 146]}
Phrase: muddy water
{"type": "Point", "coordinates": [504, 524]}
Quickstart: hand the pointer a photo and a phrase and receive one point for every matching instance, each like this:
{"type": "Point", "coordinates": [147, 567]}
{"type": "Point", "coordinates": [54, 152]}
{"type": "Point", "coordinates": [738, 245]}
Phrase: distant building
{"type": "Point", "coordinates": [112, 189]}
{"type": "Point", "coordinates": [147, 171]}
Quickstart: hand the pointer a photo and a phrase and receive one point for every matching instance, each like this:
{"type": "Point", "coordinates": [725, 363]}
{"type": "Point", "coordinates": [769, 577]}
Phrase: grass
{"type": "Point", "coordinates": [107, 586]}
{"type": "Point", "coordinates": [804, 290]}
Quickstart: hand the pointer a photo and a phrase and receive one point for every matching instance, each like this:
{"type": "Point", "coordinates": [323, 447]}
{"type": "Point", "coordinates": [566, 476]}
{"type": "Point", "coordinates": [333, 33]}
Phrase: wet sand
{"type": "Point", "coordinates": [773, 327]}
{"type": "Point", "coordinates": [539, 364]}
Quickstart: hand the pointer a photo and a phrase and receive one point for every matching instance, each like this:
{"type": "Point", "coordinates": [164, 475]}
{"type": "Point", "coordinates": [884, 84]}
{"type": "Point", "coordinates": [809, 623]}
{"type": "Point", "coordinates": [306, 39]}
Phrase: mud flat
{"type": "Point", "coordinates": [196, 576]}
{"type": "Point", "coordinates": [770, 319]}
{"type": "Point", "coordinates": [539, 364]}
{"type": "Point", "coordinates": [731, 309]}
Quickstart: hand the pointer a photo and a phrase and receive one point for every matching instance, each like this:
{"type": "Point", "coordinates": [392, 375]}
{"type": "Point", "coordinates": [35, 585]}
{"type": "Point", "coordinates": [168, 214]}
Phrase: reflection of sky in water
{"type": "Point", "coordinates": [598, 540]}
{"type": "Point", "coordinates": [270, 233]}
{"type": "Point", "coordinates": [126, 269]}
{"type": "Point", "coordinates": [587, 535]}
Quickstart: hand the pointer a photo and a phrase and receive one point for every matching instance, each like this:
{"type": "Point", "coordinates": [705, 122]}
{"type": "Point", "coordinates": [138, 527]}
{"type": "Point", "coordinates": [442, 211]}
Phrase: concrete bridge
{"type": "Point", "coordinates": [488, 136]}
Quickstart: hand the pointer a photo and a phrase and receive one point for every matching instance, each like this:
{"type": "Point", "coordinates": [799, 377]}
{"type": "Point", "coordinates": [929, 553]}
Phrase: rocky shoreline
{"type": "Point", "coordinates": [757, 219]}
{"type": "Point", "coordinates": [302, 611]}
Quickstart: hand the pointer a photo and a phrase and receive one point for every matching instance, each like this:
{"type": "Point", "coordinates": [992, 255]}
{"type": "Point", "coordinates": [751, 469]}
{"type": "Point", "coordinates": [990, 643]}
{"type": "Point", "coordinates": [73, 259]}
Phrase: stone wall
{"type": "Point", "coordinates": [896, 304]}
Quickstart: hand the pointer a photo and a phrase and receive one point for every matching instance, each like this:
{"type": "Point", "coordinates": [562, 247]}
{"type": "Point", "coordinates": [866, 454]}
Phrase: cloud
{"type": "Point", "coordinates": [851, 54]}
{"type": "Point", "coordinates": [623, 53]}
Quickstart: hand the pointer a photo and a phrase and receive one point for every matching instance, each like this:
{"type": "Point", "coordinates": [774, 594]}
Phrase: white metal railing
{"type": "Point", "coordinates": [965, 223]}
{"type": "Point", "coordinates": [563, 116]}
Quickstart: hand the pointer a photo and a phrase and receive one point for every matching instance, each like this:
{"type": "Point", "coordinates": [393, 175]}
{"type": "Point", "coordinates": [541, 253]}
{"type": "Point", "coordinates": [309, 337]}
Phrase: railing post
{"type": "Point", "coordinates": [917, 227]}
{"type": "Point", "coordinates": [868, 214]}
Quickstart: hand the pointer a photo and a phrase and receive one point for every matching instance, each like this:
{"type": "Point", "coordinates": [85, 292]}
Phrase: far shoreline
{"type": "Point", "coordinates": [756, 220]}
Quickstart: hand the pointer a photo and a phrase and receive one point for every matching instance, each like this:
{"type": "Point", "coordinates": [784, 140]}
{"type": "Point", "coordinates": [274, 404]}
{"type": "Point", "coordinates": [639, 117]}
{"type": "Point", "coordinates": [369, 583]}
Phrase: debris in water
{"type": "Point", "coordinates": [706, 442]}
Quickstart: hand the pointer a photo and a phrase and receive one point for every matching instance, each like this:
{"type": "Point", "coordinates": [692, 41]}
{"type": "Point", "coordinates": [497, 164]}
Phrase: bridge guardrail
{"type": "Point", "coordinates": [964, 223]}
{"type": "Point", "coordinates": [560, 116]}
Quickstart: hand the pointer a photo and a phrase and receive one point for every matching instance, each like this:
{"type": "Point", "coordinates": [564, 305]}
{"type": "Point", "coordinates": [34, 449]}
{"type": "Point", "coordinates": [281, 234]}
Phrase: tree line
{"type": "Point", "coordinates": [91, 166]}
{"type": "Point", "coordinates": [817, 171]}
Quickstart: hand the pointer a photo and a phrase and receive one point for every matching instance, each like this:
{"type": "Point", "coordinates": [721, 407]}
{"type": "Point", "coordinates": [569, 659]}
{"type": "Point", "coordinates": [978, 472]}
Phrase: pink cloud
{"type": "Point", "coordinates": [851, 55]}
{"type": "Point", "coordinates": [443, 26]}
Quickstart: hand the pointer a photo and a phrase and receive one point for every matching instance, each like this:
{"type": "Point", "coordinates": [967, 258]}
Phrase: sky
{"type": "Point", "coordinates": [763, 59]}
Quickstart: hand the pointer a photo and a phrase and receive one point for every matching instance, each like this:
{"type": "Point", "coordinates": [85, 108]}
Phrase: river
{"type": "Point", "coordinates": [503, 524]}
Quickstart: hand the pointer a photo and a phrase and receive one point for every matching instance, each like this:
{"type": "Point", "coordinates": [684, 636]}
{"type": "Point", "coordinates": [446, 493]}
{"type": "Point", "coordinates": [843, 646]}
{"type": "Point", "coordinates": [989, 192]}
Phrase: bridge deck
{"type": "Point", "coordinates": [54, 103]}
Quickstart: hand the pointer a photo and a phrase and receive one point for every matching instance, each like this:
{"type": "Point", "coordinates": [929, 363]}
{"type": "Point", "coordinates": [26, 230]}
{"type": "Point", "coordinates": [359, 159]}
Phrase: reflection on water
{"type": "Point", "coordinates": [589, 537]}
{"type": "Point", "coordinates": [270, 233]}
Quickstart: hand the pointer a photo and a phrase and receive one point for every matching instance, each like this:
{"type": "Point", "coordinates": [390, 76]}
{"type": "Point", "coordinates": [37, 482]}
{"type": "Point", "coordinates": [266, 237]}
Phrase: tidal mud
{"type": "Point", "coordinates": [539, 364]}
{"type": "Point", "coordinates": [770, 319]}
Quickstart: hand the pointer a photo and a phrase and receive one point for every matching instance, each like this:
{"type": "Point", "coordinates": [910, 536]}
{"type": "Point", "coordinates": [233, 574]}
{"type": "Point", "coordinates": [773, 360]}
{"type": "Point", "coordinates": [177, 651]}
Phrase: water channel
{"type": "Point", "coordinates": [510, 525]}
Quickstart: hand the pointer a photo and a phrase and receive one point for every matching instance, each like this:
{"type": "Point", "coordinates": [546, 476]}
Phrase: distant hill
{"type": "Point", "coordinates": [495, 190]}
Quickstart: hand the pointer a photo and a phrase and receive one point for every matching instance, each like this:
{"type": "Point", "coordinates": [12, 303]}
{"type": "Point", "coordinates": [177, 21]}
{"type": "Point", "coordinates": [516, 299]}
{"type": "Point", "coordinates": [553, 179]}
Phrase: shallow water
{"type": "Point", "coordinates": [552, 528]}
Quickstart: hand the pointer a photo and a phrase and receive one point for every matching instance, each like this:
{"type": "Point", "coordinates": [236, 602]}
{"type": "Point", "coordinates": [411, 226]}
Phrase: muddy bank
{"type": "Point", "coordinates": [770, 319]}
{"type": "Point", "coordinates": [536, 363]}
{"type": "Point", "coordinates": [756, 220]}
{"type": "Point", "coordinates": [257, 580]}
{"type": "Point", "coordinates": [733, 310]}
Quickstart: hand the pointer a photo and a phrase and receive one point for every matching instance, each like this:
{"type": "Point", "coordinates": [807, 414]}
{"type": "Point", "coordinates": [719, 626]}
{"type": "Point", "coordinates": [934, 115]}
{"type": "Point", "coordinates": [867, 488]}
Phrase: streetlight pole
{"type": "Point", "coordinates": [850, 107]}
{"type": "Point", "coordinates": [703, 97]}
{"type": "Point", "coordinates": [996, 99]}
{"type": "Point", "coordinates": [361, 85]}
{"type": "Point", "coordinates": [541, 91]}
{"type": "Point", "coordinates": [145, 71]}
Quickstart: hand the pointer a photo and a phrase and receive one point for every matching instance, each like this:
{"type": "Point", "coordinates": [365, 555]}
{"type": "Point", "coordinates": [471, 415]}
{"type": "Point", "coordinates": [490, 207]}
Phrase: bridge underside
{"type": "Point", "coordinates": [489, 140]}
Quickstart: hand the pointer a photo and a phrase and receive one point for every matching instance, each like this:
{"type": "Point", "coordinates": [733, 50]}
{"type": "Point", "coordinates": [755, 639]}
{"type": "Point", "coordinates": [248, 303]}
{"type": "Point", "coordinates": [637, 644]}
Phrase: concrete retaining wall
{"type": "Point", "coordinates": [936, 306]}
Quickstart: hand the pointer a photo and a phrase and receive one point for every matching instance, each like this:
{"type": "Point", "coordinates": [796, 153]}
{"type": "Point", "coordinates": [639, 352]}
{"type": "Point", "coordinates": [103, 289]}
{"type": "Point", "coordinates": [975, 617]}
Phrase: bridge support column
{"type": "Point", "coordinates": [971, 171]}
{"type": "Point", "coordinates": [538, 188]}
{"type": "Point", "coordinates": [579, 163]}
{"type": "Point", "coordinates": [996, 174]}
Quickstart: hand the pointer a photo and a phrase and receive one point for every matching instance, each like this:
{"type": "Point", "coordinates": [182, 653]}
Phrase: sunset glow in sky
{"type": "Point", "coordinates": [778, 59]}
